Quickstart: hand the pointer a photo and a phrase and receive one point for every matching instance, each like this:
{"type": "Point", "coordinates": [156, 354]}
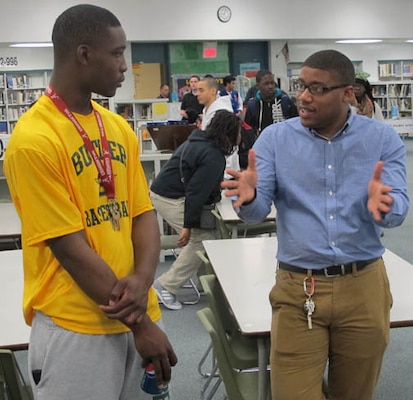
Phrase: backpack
{"type": "Point", "coordinates": [247, 140]}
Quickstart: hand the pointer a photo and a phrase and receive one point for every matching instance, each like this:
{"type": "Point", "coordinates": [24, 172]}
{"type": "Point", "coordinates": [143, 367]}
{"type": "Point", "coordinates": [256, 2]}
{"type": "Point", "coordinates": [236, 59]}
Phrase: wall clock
{"type": "Point", "coordinates": [224, 13]}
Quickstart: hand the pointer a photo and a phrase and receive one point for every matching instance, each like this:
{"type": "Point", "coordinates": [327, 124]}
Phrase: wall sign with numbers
{"type": "Point", "coordinates": [9, 61]}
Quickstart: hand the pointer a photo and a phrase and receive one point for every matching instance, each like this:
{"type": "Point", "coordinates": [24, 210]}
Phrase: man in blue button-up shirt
{"type": "Point", "coordinates": [337, 179]}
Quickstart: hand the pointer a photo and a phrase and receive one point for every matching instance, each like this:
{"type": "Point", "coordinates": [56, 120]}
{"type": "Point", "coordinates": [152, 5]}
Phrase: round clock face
{"type": "Point", "coordinates": [224, 13]}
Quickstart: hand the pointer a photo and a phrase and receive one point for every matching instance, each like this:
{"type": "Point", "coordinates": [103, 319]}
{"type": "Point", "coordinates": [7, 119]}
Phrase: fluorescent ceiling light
{"type": "Point", "coordinates": [36, 44]}
{"type": "Point", "coordinates": [409, 41]}
{"type": "Point", "coordinates": [358, 41]}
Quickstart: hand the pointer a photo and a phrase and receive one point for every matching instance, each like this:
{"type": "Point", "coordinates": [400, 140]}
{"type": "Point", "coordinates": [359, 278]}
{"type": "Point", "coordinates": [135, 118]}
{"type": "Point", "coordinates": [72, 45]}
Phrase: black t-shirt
{"type": "Point", "coordinates": [192, 107]}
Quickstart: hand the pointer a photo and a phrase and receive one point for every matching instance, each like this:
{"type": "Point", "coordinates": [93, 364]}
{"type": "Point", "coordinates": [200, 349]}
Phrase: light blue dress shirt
{"type": "Point", "coordinates": [319, 187]}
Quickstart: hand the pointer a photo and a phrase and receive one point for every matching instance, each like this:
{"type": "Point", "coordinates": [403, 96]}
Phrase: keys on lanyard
{"type": "Point", "coordinates": [114, 214]}
{"type": "Point", "coordinates": [309, 305]}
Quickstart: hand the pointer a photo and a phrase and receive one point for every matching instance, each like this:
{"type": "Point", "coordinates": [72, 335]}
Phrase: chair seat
{"type": "Point", "coordinates": [169, 242]}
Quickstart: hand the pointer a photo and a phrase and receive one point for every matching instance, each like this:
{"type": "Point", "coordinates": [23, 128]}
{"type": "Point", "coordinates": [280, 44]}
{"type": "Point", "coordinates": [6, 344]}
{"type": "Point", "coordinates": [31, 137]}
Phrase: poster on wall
{"type": "Point", "coordinates": [249, 70]}
{"type": "Point", "coordinates": [147, 80]}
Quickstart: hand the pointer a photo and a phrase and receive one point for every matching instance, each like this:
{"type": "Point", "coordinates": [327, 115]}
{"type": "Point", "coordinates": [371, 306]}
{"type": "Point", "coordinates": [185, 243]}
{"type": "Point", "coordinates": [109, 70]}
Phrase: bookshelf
{"type": "Point", "coordinates": [103, 101]}
{"type": "Point", "coordinates": [139, 112]}
{"type": "Point", "coordinates": [18, 90]}
{"type": "Point", "coordinates": [395, 70]}
{"type": "Point", "coordinates": [394, 97]}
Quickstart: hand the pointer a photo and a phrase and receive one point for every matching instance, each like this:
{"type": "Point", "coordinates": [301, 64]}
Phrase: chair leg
{"type": "Point", "coordinates": [202, 361]}
{"type": "Point", "coordinates": [214, 389]}
{"type": "Point", "coordinates": [192, 285]}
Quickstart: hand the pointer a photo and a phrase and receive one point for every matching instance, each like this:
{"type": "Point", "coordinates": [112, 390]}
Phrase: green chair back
{"type": "Point", "coordinates": [13, 386]}
{"type": "Point", "coordinates": [238, 386]}
{"type": "Point", "coordinates": [242, 350]}
{"type": "Point", "coordinates": [223, 230]}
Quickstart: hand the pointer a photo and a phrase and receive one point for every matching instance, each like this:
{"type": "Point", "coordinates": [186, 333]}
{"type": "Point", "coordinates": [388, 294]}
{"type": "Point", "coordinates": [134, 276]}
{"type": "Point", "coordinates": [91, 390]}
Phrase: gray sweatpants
{"type": "Point", "coordinates": [77, 366]}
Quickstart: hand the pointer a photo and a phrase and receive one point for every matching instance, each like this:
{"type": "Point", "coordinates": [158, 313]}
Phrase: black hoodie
{"type": "Point", "coordinates": [203, 167]}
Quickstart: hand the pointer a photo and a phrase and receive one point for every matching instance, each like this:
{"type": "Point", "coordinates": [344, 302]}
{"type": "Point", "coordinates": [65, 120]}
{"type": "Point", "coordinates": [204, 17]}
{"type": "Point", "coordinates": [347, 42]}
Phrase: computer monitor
{"type": "Point", "coordinates": [167, 137]}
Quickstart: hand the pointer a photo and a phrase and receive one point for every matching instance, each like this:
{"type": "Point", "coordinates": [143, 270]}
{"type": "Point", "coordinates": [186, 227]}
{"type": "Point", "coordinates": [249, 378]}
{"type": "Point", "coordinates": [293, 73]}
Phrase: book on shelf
{"type": "Point", "coordinates": [3, 127]}
{"type": "Point", "coordinates": [125, 110]}
{"type": "Point", "coordinates": [10, 83]}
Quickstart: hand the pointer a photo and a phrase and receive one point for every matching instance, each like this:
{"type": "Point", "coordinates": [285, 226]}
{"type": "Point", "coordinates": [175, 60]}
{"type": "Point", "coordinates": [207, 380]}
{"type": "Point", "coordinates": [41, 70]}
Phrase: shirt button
{"type": "Point", "coordinates": [333, 243]}
{"type": "Point", "coordinates": [330, 193]}
{"type": "Point", "coordinates": [331, 217]}
{"type": "Point", "coordinates": [329, 166]}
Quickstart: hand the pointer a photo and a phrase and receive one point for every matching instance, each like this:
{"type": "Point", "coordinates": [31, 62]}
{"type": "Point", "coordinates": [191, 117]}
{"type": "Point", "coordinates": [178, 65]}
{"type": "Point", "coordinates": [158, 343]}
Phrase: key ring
{"type": "Point", "coordinates": [309, 294]}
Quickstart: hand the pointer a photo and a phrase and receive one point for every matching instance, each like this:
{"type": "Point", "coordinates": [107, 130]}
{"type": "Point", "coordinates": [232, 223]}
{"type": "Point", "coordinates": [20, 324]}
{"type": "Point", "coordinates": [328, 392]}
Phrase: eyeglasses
{"type": "Point", "coordinates": [316, 89]}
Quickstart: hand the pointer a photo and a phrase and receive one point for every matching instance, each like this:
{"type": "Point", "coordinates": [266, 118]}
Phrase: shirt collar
{"type": "Point", "coordinates": [341, 131]}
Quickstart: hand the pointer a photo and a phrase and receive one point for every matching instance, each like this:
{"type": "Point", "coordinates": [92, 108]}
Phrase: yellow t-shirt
{"type": "Point", "coordinates": [55, 188]}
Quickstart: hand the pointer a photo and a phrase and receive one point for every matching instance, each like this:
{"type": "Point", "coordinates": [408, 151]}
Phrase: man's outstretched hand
{"type": "Point", "coordinates": [379, 201]}
{"type": "Point", "coordinates": [244, 182]}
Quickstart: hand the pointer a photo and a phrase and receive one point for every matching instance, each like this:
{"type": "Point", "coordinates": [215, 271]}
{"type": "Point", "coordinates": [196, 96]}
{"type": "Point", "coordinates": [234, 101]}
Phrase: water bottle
{"type": "Point", "coordinates": [150, 386]}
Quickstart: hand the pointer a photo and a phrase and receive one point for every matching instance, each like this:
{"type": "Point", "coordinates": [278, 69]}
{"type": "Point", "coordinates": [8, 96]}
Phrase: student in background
{"type": "Point", "coordinates": [336, 179]}
{"type": "Point", "coordinates": [208, 97]}
{"type": "Point", "coordinates": [163, 92]}
{"type": "Point", "coordinates": [270, 104]}
{"type": "Point", "coordinates": [90, 235]}
{"type": "Point", "coordinates": [229, 90]}
{"type": "Point", "coordinates": [187, 182]}
{"type": "Point", "coordinates": [191, 110]}
{"type": "Point", "coordinates": [363, 100]}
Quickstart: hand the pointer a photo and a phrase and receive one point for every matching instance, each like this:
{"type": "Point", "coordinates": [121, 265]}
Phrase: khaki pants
{"type": "Point", "coordinates": [187, 264]}
{"type": "Point", "coordinates": [350, 331]}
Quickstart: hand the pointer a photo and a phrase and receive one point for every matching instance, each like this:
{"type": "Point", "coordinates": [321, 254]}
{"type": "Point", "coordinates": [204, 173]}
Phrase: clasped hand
{"type": "Point", "coordinates": [128, 303]}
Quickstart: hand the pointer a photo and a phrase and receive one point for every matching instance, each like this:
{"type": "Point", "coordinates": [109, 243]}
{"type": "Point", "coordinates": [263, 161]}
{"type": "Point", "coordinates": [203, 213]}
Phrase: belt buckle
{"type": "Point", "coordinates": [343, 271]}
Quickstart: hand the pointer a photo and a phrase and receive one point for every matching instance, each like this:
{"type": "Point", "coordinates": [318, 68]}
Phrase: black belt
{"type": "Point", "coordinates": [329, 272]}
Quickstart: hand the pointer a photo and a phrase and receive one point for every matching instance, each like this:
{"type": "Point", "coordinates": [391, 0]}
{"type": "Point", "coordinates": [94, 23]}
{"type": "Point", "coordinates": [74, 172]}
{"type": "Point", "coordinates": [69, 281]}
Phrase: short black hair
{"type": "Point", "coordinates": [81, 24]}
{"type": "Point", "coordinates": [367, 87]}
{"type": "Point", "coordinates": [261, 73]}
{"type": "Point", "coordinates": [334, 62]}
{"type": "Point", "coordinates": [211, 83]}
{"type": "Point", "coordinates": [228, 79]}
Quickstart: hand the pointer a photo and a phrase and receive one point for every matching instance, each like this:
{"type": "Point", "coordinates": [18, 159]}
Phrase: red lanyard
{"type": "Point", "coordinates": [105, 169]}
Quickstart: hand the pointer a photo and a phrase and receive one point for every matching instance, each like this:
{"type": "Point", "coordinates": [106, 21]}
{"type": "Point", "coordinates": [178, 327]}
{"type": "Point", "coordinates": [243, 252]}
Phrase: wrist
{"type": "Point", "coordinates": [138, 326]}
{"type": "Point", "coordinates": [246, 203]}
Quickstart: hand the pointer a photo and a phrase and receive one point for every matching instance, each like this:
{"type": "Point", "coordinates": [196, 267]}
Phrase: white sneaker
{"type": "Point", "coordinates": [166, 298]}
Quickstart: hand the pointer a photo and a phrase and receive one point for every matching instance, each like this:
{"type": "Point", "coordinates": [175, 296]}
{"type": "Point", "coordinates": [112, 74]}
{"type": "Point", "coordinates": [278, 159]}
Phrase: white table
{"type": "Point", "coordinates": [14, 333]}
{"type": "Point", "coordinates": [229, 216]}
{"type": "Point", "coordinates": [252, 262]}
{"type": "Point", "coordinates": [10, 227]}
